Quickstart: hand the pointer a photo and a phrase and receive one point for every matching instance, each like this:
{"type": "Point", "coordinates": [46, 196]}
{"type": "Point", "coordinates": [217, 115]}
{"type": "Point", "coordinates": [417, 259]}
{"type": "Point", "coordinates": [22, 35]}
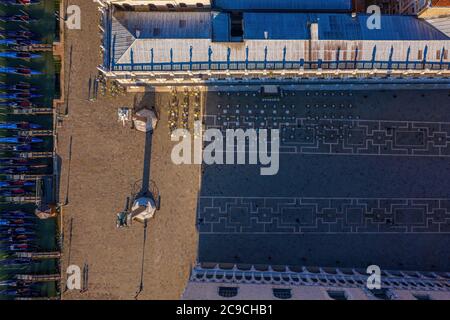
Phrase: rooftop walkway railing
{"type": "Point", "coordinates": [281, 65]}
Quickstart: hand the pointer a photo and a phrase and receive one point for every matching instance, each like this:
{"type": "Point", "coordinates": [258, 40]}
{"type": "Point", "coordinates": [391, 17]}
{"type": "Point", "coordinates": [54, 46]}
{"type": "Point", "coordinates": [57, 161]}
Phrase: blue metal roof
{"type": "Point", "coordinates": [311, 5]}
{"type": "Point", "coordinates": [282, 26]}
{"type": "Point", "coordinates": [221, 27]}
{"type": "Point", "coordinates": [167, 25]}
{"type": "Point", "coordinates": [292, 26]}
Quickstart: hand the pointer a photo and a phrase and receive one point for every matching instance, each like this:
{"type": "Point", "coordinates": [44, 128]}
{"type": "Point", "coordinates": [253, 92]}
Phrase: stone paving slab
{"type": "Point", "coordinates": [324, 215]}
{"type": "Point", "coordinates": [424, 252]}
{"type": "Point", "coordinates": [364, 178]}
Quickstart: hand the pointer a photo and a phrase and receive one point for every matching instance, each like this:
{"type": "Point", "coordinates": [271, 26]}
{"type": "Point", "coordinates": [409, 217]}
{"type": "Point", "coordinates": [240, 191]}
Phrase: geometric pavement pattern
{"type": "Point", "coordinates": [292, 215]}
{"type": "Point", "coordinates": [347, 137]}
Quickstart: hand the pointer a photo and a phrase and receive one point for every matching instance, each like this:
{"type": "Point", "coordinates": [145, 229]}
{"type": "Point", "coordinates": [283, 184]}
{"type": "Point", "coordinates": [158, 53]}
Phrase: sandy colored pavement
{"type": "Point", "coordinates": [107, 159]}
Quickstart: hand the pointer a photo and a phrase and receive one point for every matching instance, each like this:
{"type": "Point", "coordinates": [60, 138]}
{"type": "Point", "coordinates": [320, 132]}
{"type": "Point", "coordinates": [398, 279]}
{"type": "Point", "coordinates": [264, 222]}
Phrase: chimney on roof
{"type": "Point", "coordinates": [314, 31]}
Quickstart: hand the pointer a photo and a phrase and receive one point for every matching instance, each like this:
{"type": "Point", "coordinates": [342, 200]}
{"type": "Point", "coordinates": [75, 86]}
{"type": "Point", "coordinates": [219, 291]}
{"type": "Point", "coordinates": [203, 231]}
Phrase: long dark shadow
{"type": "Point", "coordinates": [141, 283]}
{"type": "Point", "coordinates": [68, 172]}
{"type": "Point", "coordinates": [57, 189]}
{"type": "Point", "coordinates": [89, 88]}
{"type": "Point", "coordinates": [147, 164]}
{"type": "Point", "coordinates": [66, 112]}
{"type": "Point", "coordinates": [145, 191]}
{"type": "Point", "coordinates": [69, 255]}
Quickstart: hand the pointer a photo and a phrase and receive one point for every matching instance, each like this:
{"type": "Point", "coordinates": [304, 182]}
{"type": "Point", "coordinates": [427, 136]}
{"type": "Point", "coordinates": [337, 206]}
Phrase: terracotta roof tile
{"type": "Point", "coordinates": [441, 3]}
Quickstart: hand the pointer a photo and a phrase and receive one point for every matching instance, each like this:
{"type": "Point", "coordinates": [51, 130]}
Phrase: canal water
{"type": "Point", "coordinates": [45, 31]}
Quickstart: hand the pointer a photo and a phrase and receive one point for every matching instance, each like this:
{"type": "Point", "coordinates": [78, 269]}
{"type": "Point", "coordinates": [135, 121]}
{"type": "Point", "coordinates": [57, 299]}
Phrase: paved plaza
{"type": "Point", "coordinates": [364, 179]}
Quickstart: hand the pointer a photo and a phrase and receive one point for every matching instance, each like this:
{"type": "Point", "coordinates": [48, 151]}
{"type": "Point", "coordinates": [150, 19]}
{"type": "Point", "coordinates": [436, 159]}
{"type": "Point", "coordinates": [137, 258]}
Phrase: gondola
{"type": "Point", "coordinates": [16, 247]}
{"type": "Point", "coordinates": [15, 214]}
{"type": "Point", "coordinates": [19, 222]}
{"type": "Point", "coordinates": [13, 263]}
{"type": "Point", "coordinates": [16, 162]}
{"type": "Point", "coordinates": [12, 293]}
{"type": "Point", "coordinates": [11, 217]}
{"type": "Point", "coordinates": [14, 184]}
{"type": "Point", "coordinates": [17, 34]}
{"type": "Point", "coordinates": [7, 283]}
{"type": "Point", "coordinates": [15, 42]}
{"type": "Point", "coordinates": [29, 167]}
{"type": "Point", "coordinates": [20, 2]}
{"type": "Point", "coordinates": [8, 42]}
{"type": "Point", "coordinates": [13, 283]}
{"type": "Point", "coordinates": [19, 96]}
{"type": "Point", "coordinates": [16, 170]}
{"type": "Point", "coordinates": [24, 104]}
{"type": "Point", "coordinates": [13, 90]}
{"type": "Point", "coordinates": [31, 235]}
{"type": "Point", "coordinates": [20, 140]}
{"type": "Point", "coordinates": [19, 126]}
{"type": "Point", "coordinates": [20, 71]}
{"type": "Point", "coordinates": [19, 291]}
{"type": "Point", "coordinates": [12, 212]}
{"type": "Point", "coordinates": [16, 148]}
{"type": "Point", "coordinates": [15, 222]}
{"type": "Point", "coordinates": [20, 18]}
{"type": "Point", "coordinates": [13, 192]}
{"type": "Point", "coordinates": [17, 239]}
{"type": "Point", "coordinates": [15, 236]}
{"type": "Point", "coordinates": [18, 87]}
{"type": "Point", "coordinates": [19, 55]}
{"type": "Point", "coordinates": [8, 226]}
{"type": "Point", "coordinates": [20, 294]}
{"type": "Point", "coordinates": [19, 230]}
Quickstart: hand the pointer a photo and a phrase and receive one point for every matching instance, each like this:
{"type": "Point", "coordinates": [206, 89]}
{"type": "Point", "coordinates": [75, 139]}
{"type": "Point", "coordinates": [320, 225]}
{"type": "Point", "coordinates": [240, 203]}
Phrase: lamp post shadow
{"type": "Point", "coordinates": [145, 191]}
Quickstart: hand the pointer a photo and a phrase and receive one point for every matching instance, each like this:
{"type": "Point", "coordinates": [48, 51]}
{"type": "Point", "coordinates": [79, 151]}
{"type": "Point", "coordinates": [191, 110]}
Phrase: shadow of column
{"type": "Point", "coordinates": [145, 189]}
